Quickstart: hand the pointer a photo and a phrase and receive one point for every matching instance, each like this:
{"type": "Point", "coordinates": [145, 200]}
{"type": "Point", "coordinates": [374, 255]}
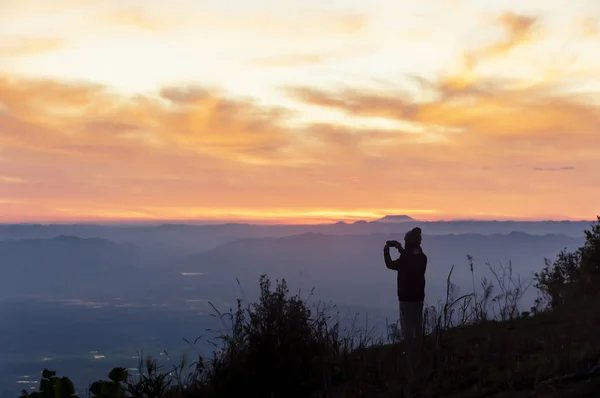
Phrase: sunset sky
{"type": "Point", "coordinates": [299, 110]}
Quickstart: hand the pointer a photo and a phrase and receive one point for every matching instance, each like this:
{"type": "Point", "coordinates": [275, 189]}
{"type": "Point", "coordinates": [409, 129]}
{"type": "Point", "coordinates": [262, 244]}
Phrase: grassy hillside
{"type": "Point", "coordinates": [477, 345]}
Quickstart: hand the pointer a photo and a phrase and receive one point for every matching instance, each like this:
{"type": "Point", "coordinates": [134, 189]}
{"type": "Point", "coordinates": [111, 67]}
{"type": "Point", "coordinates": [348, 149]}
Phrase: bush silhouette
{"type": "Point", "coordinates": [114, 388]}
{"type": "Point", "coordinates": [52, 386]}
{"type": "Point", "coordinates": [276, 343]}
{"type": "Point", "coordinates": [573, 273]}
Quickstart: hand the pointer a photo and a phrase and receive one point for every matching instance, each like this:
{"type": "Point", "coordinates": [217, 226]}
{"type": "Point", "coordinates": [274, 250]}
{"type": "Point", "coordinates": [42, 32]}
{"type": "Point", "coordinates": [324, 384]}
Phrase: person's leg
{"type": "Point", "coordinates": [401, 321]}
{"type": "Point", "coordinates": [408, 328]}
{"type": "Point", "coordinates": [418, 326]}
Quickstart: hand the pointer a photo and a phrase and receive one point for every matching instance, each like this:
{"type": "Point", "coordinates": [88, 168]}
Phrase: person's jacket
{"type": "Point", "coordinates": [411, 266]}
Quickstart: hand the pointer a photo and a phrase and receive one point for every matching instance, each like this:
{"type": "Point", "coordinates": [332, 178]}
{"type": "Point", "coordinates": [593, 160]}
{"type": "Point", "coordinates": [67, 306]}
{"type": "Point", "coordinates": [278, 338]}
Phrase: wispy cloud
{"type": "Point", "coordinates": [195, 119]}
{"type": "Point", "coordinates": [485, 114]}
{"type": "Point", "coordinates": [17, 46]}
{"type": "Point", "coordinates": [559, 168]}
{"type": "Point", "coordinates": [518, 30]}
{"type": "Point", "coordinates": [589, 27]}
{"type": "Point", "coordinates": [143, 19]}
{"type": "Point", "coordinates": [307, 59]}
{"type": "Point", "coordinates": [161, 18]}
{"type": "Point", "coordinates": [10, 180]}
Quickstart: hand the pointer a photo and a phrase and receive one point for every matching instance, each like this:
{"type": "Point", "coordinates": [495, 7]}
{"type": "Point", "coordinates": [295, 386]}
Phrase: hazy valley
{"type": "Point", "coordinates": [83, 297]}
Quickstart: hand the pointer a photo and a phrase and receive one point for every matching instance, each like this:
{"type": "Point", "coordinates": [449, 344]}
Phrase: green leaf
{"type": "Point", "coordinates": [118, 375]}
{"type": "Point", "coordinates": [47, 387]}
{"type": "Point", "coordinates": [64, 388]}
{"type": "Point", "coordinates": [97, 387]}
{"type": "Point", "coordinates": [48, 374]}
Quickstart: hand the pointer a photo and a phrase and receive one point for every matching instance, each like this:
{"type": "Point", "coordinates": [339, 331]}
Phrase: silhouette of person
{"type": "Point", "coordinates": [411, 267]}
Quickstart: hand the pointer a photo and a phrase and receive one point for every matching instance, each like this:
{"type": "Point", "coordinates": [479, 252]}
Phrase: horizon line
{"type": "Point", "coordinates": [201, 222]}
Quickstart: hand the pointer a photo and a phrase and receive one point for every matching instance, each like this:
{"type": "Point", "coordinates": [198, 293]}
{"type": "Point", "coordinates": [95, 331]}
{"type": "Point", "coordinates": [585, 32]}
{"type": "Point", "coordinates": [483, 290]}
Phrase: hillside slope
{"type": "Point", "coordinates": [550, 355]}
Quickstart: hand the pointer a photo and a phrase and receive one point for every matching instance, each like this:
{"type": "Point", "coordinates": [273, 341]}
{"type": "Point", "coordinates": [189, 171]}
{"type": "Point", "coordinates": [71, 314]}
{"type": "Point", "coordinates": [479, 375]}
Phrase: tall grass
{"type": "Point", "coordinates": [282, 346]}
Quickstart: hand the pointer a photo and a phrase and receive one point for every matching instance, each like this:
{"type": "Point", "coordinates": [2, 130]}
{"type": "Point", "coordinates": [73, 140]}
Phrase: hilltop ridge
{"type": "Point", "coordinates": [395, 219]}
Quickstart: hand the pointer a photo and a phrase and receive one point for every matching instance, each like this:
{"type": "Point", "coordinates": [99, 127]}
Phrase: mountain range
{"type": "Point", "coordinates": [167, 240]}
{"type": "Point", "coordinates": [344, 267]}
{"type": "Point", "coordinates": [69, 266]}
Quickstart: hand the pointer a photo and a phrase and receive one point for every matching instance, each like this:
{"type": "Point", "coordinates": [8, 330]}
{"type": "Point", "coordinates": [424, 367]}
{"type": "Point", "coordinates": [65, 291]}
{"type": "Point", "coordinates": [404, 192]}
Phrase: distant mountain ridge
{"type": "Point", "coordinates": [67, 265]}
{"type": "Point", "coordinates": [65, 240]}
{"type": "Point", "coordinates": [342, 267]}
{"type": "Point", "coordinates": [349, 268]}
{"type": "Point", "coordinates": [396, 219]}
{"type": "Point", "coordinates": [176, 238]}
{"type": "Point", "coordinates": [320, 239]}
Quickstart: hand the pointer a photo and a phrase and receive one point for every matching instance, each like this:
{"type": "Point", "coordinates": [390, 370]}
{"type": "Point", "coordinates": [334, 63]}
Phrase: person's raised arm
{"type": "Point", "coordinates": [389, 263]}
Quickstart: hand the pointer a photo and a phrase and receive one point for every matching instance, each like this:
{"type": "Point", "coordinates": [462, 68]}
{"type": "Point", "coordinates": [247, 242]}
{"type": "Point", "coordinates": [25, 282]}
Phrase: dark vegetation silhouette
{"type": "Point", "coordinates": [480, 344]}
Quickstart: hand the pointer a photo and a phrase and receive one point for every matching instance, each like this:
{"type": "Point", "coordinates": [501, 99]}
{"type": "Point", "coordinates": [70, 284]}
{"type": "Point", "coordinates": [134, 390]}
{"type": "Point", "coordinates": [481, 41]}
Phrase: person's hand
{"type": "Point", "coordinates": [394, 243]}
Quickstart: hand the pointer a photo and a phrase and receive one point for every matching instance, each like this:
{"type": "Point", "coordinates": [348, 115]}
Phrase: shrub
{"type": "Point", "coordinates": [275, 344]}
{"type": "Point", "coordinates": [572, 273]}
{"type": "Point", "coordinates": [52, 386]}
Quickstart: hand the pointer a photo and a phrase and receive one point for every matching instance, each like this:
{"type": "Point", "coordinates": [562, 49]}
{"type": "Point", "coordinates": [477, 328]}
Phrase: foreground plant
{"type": "Point", "coordinates": [52, 386]}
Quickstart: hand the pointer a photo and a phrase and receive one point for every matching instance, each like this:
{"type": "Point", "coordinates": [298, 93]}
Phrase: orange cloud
{"type": "Point", "coordinates": [17, 46]}
{"type": "Point", "coordinates": [193, 119]}
{"type": "Point", "coordinates": [468, 114]}
{"type": "Point", "coordinates": [80, 145]}
{"type": "Point", "coordinates": [11, 180]}
{"type": "Point", "coordinates": [81, 150]}
{"type": "Point", "coordinates": [589, 27]}
{"type": "Point", "coordinates": [12, 9]}
{"type": "Point", "coordinates": [309, 22]}
{"type": "Point", "coordinates": [519, 29]}
{"type": "Point", "coordinates": [142, 19]}
{"type": "Point", "coordinates": [483, 116]}
{"type": "Point", "coordinates": [40, 99]}
{"type": "Point", "coordinates": [295, 60]}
